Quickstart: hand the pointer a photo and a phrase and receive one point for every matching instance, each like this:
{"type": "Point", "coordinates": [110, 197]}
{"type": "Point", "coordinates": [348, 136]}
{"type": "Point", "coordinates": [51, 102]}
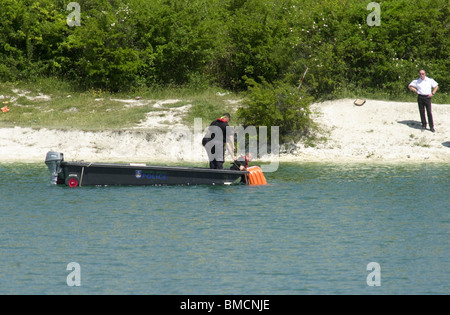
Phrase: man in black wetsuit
{"type": "Point", "coordinates": [219, 135]}
{"type": "Point", "coordinates": [241, 164]}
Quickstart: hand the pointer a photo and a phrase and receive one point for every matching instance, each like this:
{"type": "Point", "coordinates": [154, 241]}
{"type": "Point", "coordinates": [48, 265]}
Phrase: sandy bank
{"type": "Point", "coordinates": [377, 131]}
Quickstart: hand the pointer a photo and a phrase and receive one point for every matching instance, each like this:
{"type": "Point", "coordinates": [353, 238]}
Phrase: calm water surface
{"type": "Point", "coordinates": [313, 230]}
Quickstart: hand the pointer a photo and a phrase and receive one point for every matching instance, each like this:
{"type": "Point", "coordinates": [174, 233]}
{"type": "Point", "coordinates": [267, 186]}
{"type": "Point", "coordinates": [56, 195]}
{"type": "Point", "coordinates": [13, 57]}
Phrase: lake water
{"type": "Point", "coordinates": [313, 230]}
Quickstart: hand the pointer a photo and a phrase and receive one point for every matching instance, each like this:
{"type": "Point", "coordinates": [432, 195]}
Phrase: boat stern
{"type": "Point", "coordinates": [53, 161]}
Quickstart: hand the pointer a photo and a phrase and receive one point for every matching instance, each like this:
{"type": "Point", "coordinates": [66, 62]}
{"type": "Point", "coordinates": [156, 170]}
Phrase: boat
{"type": "Point", "coordinates": [79, 174]}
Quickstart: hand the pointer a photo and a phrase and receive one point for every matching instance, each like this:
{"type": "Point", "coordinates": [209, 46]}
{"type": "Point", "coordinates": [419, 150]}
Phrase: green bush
{"type": "Point", "coordinates": [124, 44]}
{"type": "Point", "coordinates": [278, 104]}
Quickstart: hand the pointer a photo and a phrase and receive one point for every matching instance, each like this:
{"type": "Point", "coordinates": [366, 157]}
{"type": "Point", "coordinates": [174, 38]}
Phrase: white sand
{"type": "Point", "coordinates": [377, 131]}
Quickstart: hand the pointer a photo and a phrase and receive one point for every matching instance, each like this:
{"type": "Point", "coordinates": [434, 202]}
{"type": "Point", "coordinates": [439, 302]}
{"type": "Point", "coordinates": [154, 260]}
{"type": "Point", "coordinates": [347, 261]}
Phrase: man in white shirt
{"type": "Point", "coordinates": [425, 88]}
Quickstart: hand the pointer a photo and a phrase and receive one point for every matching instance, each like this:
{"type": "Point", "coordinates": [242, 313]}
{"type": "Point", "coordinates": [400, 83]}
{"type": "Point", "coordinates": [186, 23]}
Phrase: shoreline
{"type": "Point", "coordinates": [377, 132]}
{"type": "Point", "coordinates": [282, 160]}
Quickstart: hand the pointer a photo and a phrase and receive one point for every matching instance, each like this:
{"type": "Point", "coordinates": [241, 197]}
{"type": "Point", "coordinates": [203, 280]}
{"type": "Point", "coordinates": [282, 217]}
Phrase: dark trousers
{"type": "Point", "coordinates": [214, 164]}
{"type": "Point", "coordinates": [216, 160]}
{"type": "Point", "coordinates": [425, 104]}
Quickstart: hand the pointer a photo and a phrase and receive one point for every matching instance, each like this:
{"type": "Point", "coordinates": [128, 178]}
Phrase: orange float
{"type": "Point", "coordinates": [256, 176]}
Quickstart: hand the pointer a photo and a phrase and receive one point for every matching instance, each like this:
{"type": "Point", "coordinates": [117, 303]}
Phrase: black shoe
{"type": "Point", "coordinates": [432, 130]}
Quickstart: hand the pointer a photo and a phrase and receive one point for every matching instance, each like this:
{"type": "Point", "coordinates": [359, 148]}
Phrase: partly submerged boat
{"type": "Point", "coordinates": [78, 174]}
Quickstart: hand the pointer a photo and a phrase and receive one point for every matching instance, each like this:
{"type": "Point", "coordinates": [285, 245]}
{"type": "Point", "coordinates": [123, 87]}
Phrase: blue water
{"type": "Point", "coordinates": [313, 230]}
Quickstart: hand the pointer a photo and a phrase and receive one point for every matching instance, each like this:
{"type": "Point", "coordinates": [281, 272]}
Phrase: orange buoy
{"type": "Point", "coordinates": [256, 176]}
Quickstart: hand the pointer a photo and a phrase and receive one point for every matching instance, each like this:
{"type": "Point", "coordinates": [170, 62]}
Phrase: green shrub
{"type": "Point", "coordinates": [123, 45]}
{"type": "Point", "coordinates": [278, 104]}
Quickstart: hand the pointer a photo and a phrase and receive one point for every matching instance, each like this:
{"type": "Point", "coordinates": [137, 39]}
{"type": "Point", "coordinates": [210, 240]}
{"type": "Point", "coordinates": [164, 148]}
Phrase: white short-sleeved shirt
{"type": "Point", "coordinates": [424, 87]}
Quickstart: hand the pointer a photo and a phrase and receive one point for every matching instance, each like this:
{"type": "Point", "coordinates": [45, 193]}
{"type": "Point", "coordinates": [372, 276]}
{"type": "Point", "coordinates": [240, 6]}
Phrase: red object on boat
{"type": "Point", "coordinates": [73, 182]}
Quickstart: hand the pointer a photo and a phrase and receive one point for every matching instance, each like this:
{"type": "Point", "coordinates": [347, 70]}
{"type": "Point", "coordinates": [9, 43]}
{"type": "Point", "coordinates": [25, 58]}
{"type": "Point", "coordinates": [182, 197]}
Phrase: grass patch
{"type": "Point", "coordinates": [49, 103]}
{"type": "Point", "coordinates": [94, 110]}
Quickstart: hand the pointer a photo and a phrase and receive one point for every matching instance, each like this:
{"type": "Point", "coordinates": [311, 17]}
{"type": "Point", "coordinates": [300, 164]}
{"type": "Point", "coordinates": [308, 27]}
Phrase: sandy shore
{"type": "Point", "coordinates": [377, 131]}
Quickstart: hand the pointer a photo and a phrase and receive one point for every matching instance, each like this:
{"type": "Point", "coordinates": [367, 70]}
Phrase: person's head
{"type": "Point", "coordinates": [422, 73]}
{"type": "Point", "coordinates": [226, 117]}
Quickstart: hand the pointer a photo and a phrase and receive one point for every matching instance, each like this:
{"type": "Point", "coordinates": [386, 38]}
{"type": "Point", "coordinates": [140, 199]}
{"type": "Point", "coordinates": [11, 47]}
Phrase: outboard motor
{"type": "Point", "coordinates": [53, 162]}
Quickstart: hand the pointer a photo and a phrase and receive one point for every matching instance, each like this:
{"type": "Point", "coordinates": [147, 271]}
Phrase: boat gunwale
{"type": "Point", "coordinates": [153, 167]}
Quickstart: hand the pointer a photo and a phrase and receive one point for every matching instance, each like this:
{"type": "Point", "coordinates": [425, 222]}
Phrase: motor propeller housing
{"type": "Point", "coordinates": [53, 161]}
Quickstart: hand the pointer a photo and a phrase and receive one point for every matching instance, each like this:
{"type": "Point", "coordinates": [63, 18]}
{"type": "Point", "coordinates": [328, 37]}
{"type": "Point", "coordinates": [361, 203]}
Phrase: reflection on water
{"type": "Point", "coordinates": [313, 230]}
